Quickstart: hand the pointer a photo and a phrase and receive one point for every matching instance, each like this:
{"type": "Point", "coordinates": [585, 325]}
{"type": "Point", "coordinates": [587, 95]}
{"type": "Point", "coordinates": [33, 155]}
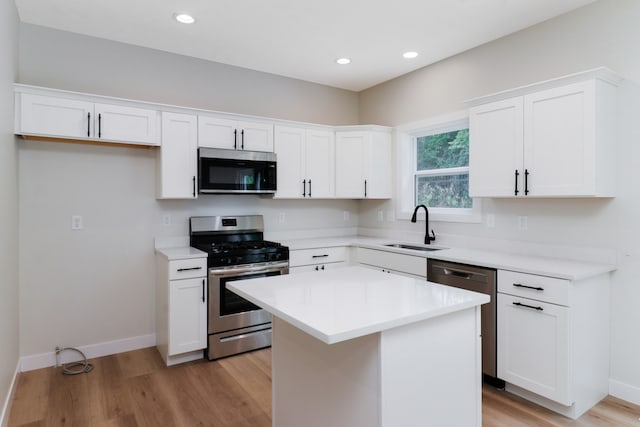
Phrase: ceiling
{"type": "Point", "coordinates": [302, 38]}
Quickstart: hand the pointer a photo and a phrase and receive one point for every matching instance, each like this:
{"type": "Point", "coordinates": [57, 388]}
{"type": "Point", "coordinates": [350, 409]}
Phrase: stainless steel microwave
{"type": "Point", "coordinates": [236, 171]}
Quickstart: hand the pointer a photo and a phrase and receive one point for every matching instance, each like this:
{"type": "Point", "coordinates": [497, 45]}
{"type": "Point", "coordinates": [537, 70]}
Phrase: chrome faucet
{"type": "Point", "coordinates": [427, 239]}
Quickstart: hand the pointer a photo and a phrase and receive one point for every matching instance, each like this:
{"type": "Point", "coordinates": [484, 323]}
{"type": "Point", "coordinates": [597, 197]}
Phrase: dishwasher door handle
{"type": "Point", "coordinates": [468, 275]}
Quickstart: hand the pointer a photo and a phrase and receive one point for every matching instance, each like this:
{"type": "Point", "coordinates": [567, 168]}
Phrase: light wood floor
{"type": "Point", "coordinates": [136, 389]}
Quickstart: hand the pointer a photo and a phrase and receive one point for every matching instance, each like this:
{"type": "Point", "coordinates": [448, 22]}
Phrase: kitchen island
{"type": "Point", "coordinates": [360, 348]}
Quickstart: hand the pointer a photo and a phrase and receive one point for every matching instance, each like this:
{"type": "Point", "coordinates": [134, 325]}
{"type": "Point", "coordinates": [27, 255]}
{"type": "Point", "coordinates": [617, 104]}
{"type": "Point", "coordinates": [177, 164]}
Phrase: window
{"type": "Point", "coordinates": [433, 169]}
{"type": "Point", "coordinates": [442, 170]}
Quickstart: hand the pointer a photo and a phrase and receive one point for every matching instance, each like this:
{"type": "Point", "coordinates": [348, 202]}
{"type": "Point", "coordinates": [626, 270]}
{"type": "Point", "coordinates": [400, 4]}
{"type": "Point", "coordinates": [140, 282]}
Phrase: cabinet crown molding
{"type": "Point", "coordinates": [600, 73]}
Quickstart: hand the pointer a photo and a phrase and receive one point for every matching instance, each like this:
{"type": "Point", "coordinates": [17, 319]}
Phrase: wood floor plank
{"type": "Point", "coordinates": [31, 397]}
{"type": "Point", "coordinates": [135, 389]}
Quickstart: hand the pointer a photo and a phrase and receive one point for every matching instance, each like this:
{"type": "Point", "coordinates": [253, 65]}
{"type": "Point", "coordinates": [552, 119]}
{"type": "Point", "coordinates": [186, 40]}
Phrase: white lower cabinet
{"type": "Point", "coordinates": [317, 259]}
{"type": "Point", "coordinates": [553, 339]}
{"type": "Point", "coordinates": [181, 308]}
{"type": "Point", "coordinates": [187, 315]}
{"type": "Point", "coordinates": [392, 262]}
{"type": "Point", "coordinates": [534, 346]}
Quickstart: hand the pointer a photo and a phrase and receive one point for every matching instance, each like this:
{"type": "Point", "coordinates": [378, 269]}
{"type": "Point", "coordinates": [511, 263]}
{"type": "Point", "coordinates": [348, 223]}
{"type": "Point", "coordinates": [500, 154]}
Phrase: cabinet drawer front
{"type": "Point", "coordinates": [541, 288]}
{"type": "Point", "coordinates": [533, 346]}
{"type": "Point", "coordinates": [317, 256]}
{"type": "Point", "coordinates": [393, 261]}
{"type": "Point", "coordinates": [186, 268]}
{"type": "Point", "coordinates": [317, 268]}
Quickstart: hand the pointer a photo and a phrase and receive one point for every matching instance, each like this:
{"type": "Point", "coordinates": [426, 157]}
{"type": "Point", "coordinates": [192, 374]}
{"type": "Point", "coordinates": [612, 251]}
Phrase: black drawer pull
{"type": "Point", "coordinates": [535, 288]}
{"type": "Point", "coordinates": [320, 256]}
{"type": "Point", "coordinates": [202, 290]}
{"type": "Point", "coordinates": [190, 268]}
{"type": "Point", "coordinates": [519, 304]}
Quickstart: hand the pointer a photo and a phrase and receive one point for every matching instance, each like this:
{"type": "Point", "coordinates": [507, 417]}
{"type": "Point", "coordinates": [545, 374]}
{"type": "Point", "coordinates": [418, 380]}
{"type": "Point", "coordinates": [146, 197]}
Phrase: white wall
{"type": "Point", "coordinates": [8, 203]}
{"type": "Point", "coordinates": [96, 285]}
{"type": "Point", "coordinates": [605, 33]}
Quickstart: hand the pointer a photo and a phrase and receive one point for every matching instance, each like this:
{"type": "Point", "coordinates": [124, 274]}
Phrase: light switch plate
{"type": "Point", "coordinates": [76, 222]}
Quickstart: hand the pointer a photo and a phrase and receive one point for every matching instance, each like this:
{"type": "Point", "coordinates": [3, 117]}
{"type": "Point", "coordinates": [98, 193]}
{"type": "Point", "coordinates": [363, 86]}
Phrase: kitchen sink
{"type": "Point", "coordinates": [413, 247]}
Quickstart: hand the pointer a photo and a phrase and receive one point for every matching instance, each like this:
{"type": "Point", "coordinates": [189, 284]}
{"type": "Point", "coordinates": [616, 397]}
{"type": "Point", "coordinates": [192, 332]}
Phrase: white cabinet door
{"type": "Point", "coordinates": [215, 132]}
{"type": "Point", "coordinates": [126, 124]}
{"type": "Point", "coordinates": [187, 315]}
{"type": "Point", "coordinates": [55, 117]}
{"type": "Point", "coordinates": [533, 346]}
{"type": "Point", "coordinates": [306, 162]}
{"type": "Point", "coordinates": [290, 147]}
{"type": "Point", "coordinates": [495, 149]}
{"type": "Point", "coordinates": [363, 164]}
{"type": "Point", "coordinates": [256, 136]}
{"type": "Point", "coordinates": [351, 168]}
{"type": "Point", "coordinates": [320, 163]}
{"type": "Point", "coordinates": [378, 162]}
{"type": "Point", "coordinates": [177, 157]}
{"type": "Point", "coordinates": [559, 140]}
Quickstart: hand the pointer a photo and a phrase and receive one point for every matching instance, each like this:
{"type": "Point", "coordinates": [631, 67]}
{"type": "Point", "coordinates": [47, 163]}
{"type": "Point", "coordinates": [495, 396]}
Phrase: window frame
{"type": "Point", "coordinates": [406, 168]}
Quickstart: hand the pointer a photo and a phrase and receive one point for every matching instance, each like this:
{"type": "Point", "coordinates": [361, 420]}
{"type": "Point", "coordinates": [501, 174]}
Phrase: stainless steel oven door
{"type": "Point", "coordinates": [227, 310]}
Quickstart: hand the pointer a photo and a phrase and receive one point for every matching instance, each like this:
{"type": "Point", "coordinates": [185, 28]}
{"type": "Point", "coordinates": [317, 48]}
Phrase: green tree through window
{"type": "Point", "coordinates": [442, 170]}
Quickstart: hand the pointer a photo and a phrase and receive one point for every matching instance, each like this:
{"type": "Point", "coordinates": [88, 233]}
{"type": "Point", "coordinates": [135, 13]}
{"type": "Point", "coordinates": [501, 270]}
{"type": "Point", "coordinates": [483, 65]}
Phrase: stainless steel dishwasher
{"type": "Point", "coordinates": [477, 279]}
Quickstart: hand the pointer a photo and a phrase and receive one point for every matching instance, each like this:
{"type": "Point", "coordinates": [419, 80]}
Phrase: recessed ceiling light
{"type": "Point", "coordinates": [343, 61]}
{"type": "Point", "coordinates": [184, 18]}
{"type": "Point", "coordinates": [410, 55]}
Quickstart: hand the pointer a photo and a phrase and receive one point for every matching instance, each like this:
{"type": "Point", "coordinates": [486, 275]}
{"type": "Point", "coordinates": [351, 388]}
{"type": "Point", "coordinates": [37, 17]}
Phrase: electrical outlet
{"type": "Point", "coordinates": [166, 220]}
{"type": "Point", "coordinates": [380, 216]}
{"type": "Point", "coordinates": [491, 221]}
{"type": "Point", "coordinates": [523, 223]}
{"type": "Point", "coordinates": [76, 222]}
{"type": "Point", "coordinates": [346, 215]}
{"type": "Point", "coordinates": [282, 218]}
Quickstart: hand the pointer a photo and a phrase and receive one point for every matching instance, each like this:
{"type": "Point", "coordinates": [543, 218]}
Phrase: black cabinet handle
{"type": "Point", "coordinates": [317, 268]}
{"type": "Point", "coordinates": [535, 288]}
{"type": "Point", "coordinates": [242, 135]}
{"type": "Point", "coordinates": [322, 268]}
{"type": "Point", "coordinates": [194, 186]}
{"type": "Point", "coordinates": [526, 182]}
{"type": "Point", "coordinates": [515, 193]}
{"type": "Point", "coordinates": [519, 304]}
{"type": "Point", "coordinates": [202, 290]}
{"type": "Point", "coordinates": [88, 124]}
{"type": "Point", "coordinates": [309, 188]}
{"type": "Point", "coordinates": [235, 139]}
{"type": "Point", "coordinates": [190, 268]}
{"type": "Point", "coordinates": [320, 256]}
{"type": "Point", "coordinates": [304, 188]}
{"type": "Point", "coordinates": [365, 188]}
{"type": "Point", "coordinates": [99, 125]}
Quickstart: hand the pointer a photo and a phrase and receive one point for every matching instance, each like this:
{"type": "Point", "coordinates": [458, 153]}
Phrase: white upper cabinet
{"type": "Point", "coordinates": [556, 139]}
{"type": "Point", "coordinates": [306, 162]}
{"type": "Point", "coordinates": [62, 117]}
{"type": "Point", "coordinates": [177, 157]}
{"type": "Point", "coordinates": [363, 164]}
{"type": "Point", "coordinates": [216, 132]}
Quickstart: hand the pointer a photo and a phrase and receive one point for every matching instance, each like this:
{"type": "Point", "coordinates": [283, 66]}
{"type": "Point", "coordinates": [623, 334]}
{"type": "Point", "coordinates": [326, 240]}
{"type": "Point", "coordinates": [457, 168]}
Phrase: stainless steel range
{"type": "Point", "coordinates": [236, 251]}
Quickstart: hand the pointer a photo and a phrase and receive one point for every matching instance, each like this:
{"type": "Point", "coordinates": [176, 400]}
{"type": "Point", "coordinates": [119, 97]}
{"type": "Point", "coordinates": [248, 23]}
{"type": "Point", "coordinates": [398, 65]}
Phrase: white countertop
{"type": "Point", "coordinates": [351, 302]}
{"type": "Point", "coordinates": [544, 266]}
{"type": "Point", "coordinates": [185, 252]}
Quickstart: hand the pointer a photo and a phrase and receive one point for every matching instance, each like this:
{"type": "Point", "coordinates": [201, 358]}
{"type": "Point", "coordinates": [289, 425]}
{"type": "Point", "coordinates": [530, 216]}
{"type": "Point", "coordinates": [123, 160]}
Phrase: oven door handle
{"type": "Point", "coordinates": [241, 271]}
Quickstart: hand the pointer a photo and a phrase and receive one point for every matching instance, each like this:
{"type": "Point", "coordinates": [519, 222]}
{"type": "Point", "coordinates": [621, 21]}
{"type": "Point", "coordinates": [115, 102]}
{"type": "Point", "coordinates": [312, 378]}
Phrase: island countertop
{"type": "Point", "coordinates": [346, 303]}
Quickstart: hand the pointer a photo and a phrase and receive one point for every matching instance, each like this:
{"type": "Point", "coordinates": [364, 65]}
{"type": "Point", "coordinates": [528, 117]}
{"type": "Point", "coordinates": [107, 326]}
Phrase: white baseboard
{"type": "Point", "coordinates": [45, 360]}
{"type": "Point", "coordinates": [624, 391]}
{"type": "Point", "coordinates": [4, 415]}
